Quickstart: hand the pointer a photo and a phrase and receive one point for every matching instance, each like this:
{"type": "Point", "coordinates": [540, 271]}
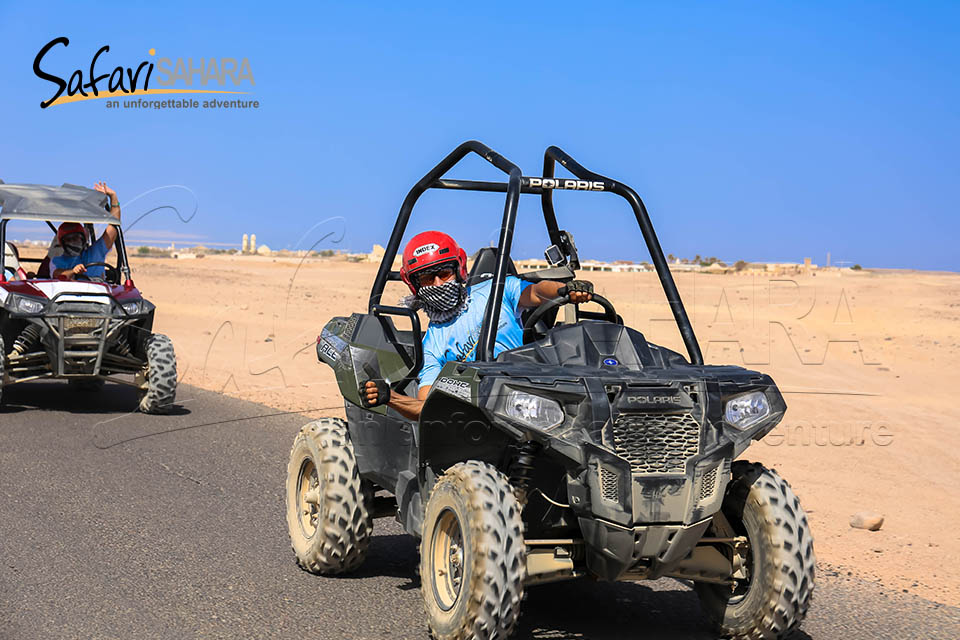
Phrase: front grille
{"type": "Point", "coordinates": [656, 442]}
{"type": "Point", "coordinates": [73, 307]}
{"type": "Point", "coordinates": [73, 326]}
{"type": "Point", "coordinates": [609, 485]}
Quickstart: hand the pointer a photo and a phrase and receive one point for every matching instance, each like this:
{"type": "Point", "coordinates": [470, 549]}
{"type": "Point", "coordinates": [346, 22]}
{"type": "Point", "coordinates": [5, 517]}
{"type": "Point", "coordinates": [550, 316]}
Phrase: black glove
{"type": "Point", "coordinates": [383, 393]}
{"type": "Point", "coordinates": [575, 285]}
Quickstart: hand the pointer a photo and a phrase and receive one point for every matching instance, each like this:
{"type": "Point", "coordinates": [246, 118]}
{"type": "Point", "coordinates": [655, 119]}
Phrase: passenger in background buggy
{"type": "Point", "coordinates": [78, 252]}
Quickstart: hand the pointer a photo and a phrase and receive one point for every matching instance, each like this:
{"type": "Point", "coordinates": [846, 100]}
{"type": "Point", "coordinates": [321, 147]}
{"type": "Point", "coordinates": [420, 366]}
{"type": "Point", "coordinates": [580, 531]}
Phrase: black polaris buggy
{"type": "Point", "coordinates": [88, 330]}
{"type": "Point", "coordinates": [585, 452]}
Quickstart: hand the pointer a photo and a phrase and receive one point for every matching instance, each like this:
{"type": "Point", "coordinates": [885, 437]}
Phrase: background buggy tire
{"type": "Point", "coordinates": [331, 533]}
{"type": "Point", "coordinates": [472, 512]}
{"type": "Point", "coordinates": [86, 385]}
{"type": "Point", "coordinates": [161, 375]}
{"type": "Point", "coordinates": [761, 505]}
{"type": "Point", "coordinates": [3, 363]}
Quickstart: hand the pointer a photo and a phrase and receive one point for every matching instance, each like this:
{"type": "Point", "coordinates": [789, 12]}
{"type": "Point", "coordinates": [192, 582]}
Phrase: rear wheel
{"type": "Point", "coordinates": [772, 591]}
{"type": "Point", "coordinates": [159, 388]}
{"type": "Point", "coordinates": [328, 505]}
{"type": "Point", "coordinates": [472, 555]}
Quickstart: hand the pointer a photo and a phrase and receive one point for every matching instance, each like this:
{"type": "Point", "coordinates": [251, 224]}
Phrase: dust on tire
{"type": "Point", "coordinates": [781, 586]}
{"type": "Point", "coordinates": [343, 519]}
{"type": "Point", "coordinates": [161, 380]}
{"type": "Point", "coordinates": [488, 602]}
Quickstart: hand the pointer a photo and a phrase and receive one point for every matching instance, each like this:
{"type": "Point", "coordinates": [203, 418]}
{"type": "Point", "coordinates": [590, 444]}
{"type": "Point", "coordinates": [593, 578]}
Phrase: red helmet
{"type": "Point", "coordinates": [428, 249]}
{"type": "Point", "coordinates": [69, 228]}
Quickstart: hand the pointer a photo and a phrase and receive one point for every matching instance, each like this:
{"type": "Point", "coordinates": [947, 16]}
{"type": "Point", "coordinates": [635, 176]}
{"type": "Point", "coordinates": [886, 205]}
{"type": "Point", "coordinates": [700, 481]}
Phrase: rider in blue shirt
{"type": "Point", "coordinates": [76, 253]}
{"type": "Point", "coordinates": [435, 269]}
{"type": "Point", "coordinates": [456, 339]}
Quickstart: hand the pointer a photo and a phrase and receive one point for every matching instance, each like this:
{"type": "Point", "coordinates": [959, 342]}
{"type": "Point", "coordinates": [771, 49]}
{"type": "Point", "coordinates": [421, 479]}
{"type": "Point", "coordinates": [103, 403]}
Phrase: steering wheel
{"type": "Point", "coordinates": [110, 273]}
{"type": "Point", "coordinates": [529, 327]}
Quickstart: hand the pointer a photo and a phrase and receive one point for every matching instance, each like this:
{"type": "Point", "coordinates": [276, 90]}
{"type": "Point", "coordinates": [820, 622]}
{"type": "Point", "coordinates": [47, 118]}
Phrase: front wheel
{"type": "Point", "coordinates": [328, 505]}
{"type": "Point", "coordinates": [772, 590]}
{"type": "Point", "coordinates": [472, 555]}
{"type": "Point", "coordinates": [159, 386]}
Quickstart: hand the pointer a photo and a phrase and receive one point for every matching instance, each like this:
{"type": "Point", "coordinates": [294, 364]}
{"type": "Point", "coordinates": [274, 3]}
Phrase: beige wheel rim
{"type": "Point", "coordinates": [447, 559]}
{"type": "Point", "coordinates": [308, 497]}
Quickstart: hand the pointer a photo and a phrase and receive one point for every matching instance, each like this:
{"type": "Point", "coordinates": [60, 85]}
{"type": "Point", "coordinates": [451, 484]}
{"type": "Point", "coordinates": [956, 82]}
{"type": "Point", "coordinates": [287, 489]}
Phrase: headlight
{"type": "Point", "coordinates": [23, 304]}
{"type": "Point", "coordinates": [747, 410]}
{"type": "Point", "coordinates": [132, 308]}
{"type": "Point", "coordinates": [533, 410]}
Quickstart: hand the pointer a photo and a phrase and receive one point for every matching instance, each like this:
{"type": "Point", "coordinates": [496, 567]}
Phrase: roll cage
{"type": "Point", "coordinates": [518, 184]}
{"type": "Point", "coordinates": [49, 204]}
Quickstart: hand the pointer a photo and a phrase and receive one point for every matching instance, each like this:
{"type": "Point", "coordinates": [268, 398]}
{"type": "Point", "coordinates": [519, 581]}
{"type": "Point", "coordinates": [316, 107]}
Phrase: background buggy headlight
{"type": "Point", "coordinates": [23, 304]}
{"type": "Point", "coordinates": [132, 308]}
{"type": "Point", "coordinates": [747, 410]}
{"type": "Point", "coordinates": [533, 410]}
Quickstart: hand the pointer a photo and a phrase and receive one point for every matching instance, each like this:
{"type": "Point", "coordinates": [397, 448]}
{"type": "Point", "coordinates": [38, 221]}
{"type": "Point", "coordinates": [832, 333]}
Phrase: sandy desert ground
{"type": "Point", "coordinates": [866, 361]}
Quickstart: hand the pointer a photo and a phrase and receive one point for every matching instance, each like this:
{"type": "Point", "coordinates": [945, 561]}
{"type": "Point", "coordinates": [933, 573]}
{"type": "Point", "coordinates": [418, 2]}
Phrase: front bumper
{"type": "Point", "coordinates": [645, 523]}
{"type": "Point", "coordinates": [647, 551]}
{"type": "Point", "coordinates": [78, 339]}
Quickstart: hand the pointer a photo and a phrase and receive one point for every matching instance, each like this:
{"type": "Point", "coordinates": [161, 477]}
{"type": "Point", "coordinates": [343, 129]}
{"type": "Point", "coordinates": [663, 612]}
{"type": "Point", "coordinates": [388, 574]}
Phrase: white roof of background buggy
{"type": "Point", "coordinates": [66, 203]}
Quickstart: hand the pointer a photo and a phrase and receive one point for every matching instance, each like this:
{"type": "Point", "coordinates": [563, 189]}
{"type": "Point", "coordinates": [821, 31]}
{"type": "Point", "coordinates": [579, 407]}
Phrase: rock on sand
{"type": "Point", "coordinates": [867, 520]}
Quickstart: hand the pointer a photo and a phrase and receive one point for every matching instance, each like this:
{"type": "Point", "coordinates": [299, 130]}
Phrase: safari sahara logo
{"type": "Point", "coordinates": [149, 77]}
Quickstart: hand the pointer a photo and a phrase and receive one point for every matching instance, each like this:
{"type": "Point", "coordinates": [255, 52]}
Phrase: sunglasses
{"type": "Point", "coordinates": [427, 279]}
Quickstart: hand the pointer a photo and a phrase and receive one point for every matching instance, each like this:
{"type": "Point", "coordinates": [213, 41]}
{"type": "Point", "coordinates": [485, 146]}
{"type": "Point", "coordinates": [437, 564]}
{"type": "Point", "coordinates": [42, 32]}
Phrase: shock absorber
{"type": "Point", "coordinates": [27, 338]}
{"type": "Point", "coordinates": [521, 469]}
{"type": "Point", "coordinates": [122, 346]}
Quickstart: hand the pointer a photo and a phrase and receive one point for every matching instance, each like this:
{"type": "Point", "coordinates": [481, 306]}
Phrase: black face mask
{"type": "Point", "coordinates": [72, 247]}
{"type": "Point", "coordinates": [443, 302]}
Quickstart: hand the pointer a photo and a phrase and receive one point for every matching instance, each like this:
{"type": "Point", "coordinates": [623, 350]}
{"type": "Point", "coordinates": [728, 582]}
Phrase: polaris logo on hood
{"type": "Point", "coordinates": [653, 398]}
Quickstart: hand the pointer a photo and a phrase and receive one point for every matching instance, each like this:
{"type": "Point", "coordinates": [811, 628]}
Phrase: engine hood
{"type": "Point", "coordinates": [598, 349]}
{"type": "Point", "coordinates": [599, 372]}
{"type": "Point", "coordinates": [70, 291]}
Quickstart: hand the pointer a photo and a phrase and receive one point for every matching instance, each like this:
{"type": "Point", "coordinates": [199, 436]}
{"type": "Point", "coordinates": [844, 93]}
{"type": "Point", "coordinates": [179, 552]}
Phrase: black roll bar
{"type": "Point", "coordinates": [544, 187]}
{"type": "Point", "coordinates": [491, 315]}
{"type": "Point", "coordinates": [3, 248]}
{"type": "Point", "coordinates": [554, 154]}
{"type": "Point", "coordinates": [123, 263]}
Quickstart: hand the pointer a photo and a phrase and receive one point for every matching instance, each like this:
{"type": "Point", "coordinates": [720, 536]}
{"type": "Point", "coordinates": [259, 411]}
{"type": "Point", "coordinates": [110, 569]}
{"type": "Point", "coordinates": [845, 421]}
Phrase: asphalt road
{"type": "Point", "coordinates": [121, 525]}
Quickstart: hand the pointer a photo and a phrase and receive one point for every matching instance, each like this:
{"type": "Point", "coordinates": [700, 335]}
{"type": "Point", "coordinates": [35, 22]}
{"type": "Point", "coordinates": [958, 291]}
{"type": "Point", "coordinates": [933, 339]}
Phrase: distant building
{"type": "Point", "coordinates": [376, 254]}
{"type": "Point", "coordinates": [688, 266]}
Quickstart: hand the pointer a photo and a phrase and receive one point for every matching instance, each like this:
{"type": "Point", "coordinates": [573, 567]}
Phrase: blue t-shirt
{"type": "Point", "coordinates": [97, 252]}
{"type": "Point", "coordinates": [457, 338]}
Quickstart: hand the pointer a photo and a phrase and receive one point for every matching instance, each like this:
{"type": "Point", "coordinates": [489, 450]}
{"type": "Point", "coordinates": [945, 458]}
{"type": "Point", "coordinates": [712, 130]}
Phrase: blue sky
{"type": "Point", "coordinates": [762, 131]}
